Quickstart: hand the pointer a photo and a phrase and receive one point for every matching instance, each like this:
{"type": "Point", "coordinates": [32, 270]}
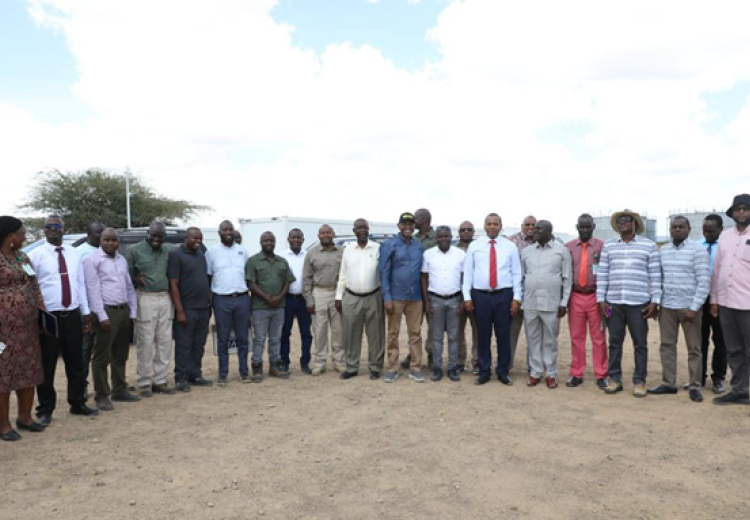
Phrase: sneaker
{"type": "Point", "coordinates": [574, 381]}
{"type": "Point", "coordinates": [475, 369]}
{"type": "Point", "coordinates": [532, 381]}
{"type": "Point", "coordinates": [222, 382]}
{"type": "Point", "coordinates": [437, 374]}
{"type": "Point", "coordinates": [245, 378]}
{"type": "Point", "coordinates": [146, 391]}
{"type": "Point", "coordinates": [640, 390]}
{"type": "Point", "coordinates": [719, 387]}
{"type": "Point", "coordinates": [182, 386]}
{"type": "Point", "coordinates": [390, 377]}
{"type": "Point", "coordinates": [551, 382]}
{"type": "Point", "coordinates": [453, 375]}
{"type": "Point", "coordinates": [417, 376]}
{"type": "Point", "coordinates": [613, 387]}
{"type": "Point", "coordinates": [318, 370]}
{"type": "Point", "coordinates": [732, 398]}
{"type": "Point", "coordinates": [460, 368]}
{"type": "Point", "coordinates": [104, 404]}
{"type": "Point", "coordinates": [257, 373]}
{"type": "Point", "coordinates": [305, 369]}
{"type": "Point", "coordinates": [162, 389]}
{"type": "Point", "coordinates": [601, 384]}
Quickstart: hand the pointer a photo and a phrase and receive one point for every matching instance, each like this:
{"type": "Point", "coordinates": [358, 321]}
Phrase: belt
{"type": "Point", "coordinates": [120, 306]}
{"type": "Point", "coordinates": [363, 294]}
{"type": "Point", "coordinates": [294, 295]}
{"type": "Point", "coordinates": [584, 290]}
{"type": "Point", "coordinates": [329, 287]}
{"type": "Point", "coordinates": [233, 295]}
{"type": "Point", "coordinates": [449, 297]}
{"type": "Point", "coordinates": [64, 314]}
{"type": "Point", "coordinates": [494, 291]}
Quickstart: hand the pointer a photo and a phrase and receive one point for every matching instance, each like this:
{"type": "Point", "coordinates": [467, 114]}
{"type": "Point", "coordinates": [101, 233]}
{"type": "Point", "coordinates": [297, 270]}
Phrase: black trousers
{"type": "Point", "coordinates": [719, 360]}
{"type": "Point", "coordinates": [69, 344]}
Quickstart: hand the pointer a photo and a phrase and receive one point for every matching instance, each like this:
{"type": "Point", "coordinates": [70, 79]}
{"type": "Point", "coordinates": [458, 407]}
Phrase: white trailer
{"type": "Point", "coordinates": [253, 228]}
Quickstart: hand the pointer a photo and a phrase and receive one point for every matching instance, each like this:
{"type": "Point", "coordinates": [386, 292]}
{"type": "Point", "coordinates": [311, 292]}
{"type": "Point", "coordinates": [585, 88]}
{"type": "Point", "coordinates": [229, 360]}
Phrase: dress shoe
{"type": "Point", "coordinates": [601, 384]}
{"type": "Point", "coordinates": [126, 397]}
{"type": "Point", "coordinates": [222, 382]}
{"type": "Point", "coordinates": [532, 381]}
{"type": "Point", "coordinates": [662, 389]}
{"type": "Point", "coordinates": [44, 419]}
{"type": "Point", "coordinates": [146, 391]}
{"type": "Point", "coordinates": [505, 379]}
{"type": "Point", "coordinates": [318, 370]}
{"type": "Point", "coordinates": [182, 386]}
{"type": "Point", "coordinates": [305, 369]}
{"type": "Point", "coordinates": [640, 390]}
{"type": "Point", "coordinates": [348, 375]}
{"type": "Point", "coordinates": [613, 387]}
{"type": "Point", "coordinates": [83, 410]}
{"type": "Point", "coordinates": [732, 398]}
{"type": "Point", "coordinates": [461, 367]}
{"type": "Point", "coordinates": [257, 373]}
{"type": "Point", "coordinates": [719, 387]}
{"type": "Point", "coordinates": [33, 427]}
{"type": "Point", "coordinates": [695, 395]}
{"type": "Point", "coordinates": [374, 375]}
{"type": "Point", "coordinates": [406, 363]}
{"type": "Point", "coordinates": [103, 404]}
{"type": "Point", "coordinates": [453, 375]}
{"type": "Point", "coordinates": [11, 435]}
{"type": "Point", "coordinates": [437, 374]}
{"type": "Point", "coordinates": [163, 389]}
{"type": "Point", "coordinates": [482, 379]}
{"type": "Point", "coordinates": [574, 381]}
{"type": "Point", "coordinates": [475, 369]}
{"type": "Point", "coordinates": [551, 382]}
{"type": "Point", "coordinates": [199, 381]}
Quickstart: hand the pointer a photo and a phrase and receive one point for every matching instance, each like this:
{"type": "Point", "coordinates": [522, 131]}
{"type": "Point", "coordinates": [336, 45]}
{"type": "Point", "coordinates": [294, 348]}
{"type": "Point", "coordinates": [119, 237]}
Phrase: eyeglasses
{"type": "Point", "coordinates": [625, 219]}
{"type": "Point", "coordinates": [465, 229]}
{"type": "Point", "coordinates": [56, 227]}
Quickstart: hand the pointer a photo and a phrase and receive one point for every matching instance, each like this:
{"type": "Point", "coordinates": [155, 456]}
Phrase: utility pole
{"type": "Point", "coordinates": [127, 193]}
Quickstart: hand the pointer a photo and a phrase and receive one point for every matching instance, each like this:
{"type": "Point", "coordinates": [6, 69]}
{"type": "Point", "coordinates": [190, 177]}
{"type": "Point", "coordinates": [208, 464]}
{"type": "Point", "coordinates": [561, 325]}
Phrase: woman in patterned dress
{"type": "Point", "coordinates": [21, 358]}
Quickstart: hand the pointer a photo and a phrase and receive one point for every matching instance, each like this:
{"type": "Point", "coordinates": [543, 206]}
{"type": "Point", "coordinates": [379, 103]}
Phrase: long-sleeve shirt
{"type": "Point", "coordinates": [593, 253]}
{"type": "Point", "coordinates": [629, 272]}
{"type": "Point", "coordinates": [400, 267]}
{"type": "Point", "coordinates": [730, 283]}
{"type": "Point", "coordinates": [521, 240]}
{"type": "Point", "coordinates": [477, 267]}
{"type": "Point", "coordinates": [46, 262]}
{"type": "Point", "coordinates": [321, 269]}
{"type": "Point", "coordinates": [359, 269]}
{"type": "Point", "coordinates": [546, 277]}
{"type": "Point", "coordinates": [108, 283]}
{"type": "Point", "coordinates": [684, 275]}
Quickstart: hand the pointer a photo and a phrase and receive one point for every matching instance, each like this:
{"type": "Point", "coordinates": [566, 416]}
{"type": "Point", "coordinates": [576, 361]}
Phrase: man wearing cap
{"type": "Point", "coordinates": [628, 293]}
{"type": "Point", "coordinates": [400, 268]}
{"type": "Point", "coordinates": [522, 240]}
{"type": "Point", "coordinates": [730, 298]}
{"type": "Point", "coordinates": [493, 290]}
{"type": "Point", "coordinates": [465, 238]}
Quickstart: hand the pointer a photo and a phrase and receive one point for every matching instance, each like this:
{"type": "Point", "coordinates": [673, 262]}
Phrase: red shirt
{"type": "Point", "coordinates": [594, 253]}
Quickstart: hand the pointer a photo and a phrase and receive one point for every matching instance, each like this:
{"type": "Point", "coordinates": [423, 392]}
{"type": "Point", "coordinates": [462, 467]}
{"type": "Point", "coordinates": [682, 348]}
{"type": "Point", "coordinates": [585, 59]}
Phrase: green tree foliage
{"type": "Point", "coordinates": [85, 196]}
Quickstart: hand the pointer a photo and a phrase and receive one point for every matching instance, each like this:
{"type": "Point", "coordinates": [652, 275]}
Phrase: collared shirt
{"type": "Point", "coordinates": [546, 276]}
{"type": "Point", "coordinates": [85, 250]}
{"type": "Point", "coordinates": [321, 269]}
{"type": "Point", "coordinates": [521, 240]}
{"type": "Point", "coordinates": [108, 283]}
{"type": "Point", "coordinates": [296, 264]}
{"type": "Point", "coordinates": [46, 262]}
{"type": "Point", "coordinates": [629, 273]}
{"type": "Point", "coordinates": [730, 283]}
{"type": "Point", "coordinates": [144, 260]}
{"type": "Point", "coordinates": [428, 240]}
{"type": "Point", "coordinates": [359, 269]}
{"type": "Point", "coordinates": [477, 267]}
{"type": "Point", "coordinates": [594, 254]}
{"type": "Point", "coordinates": [685, 276]}
{"type": "Point", "coordinates": [226, 267]}
{"type": "Point", "coordinates": [400, 266]}
{"type": "Point", "coordinates": [270, 275]}
{"type": "Point", "coordinates": [444, 270]}
{"type": "Point", "coordinates": [714, 247]}
{"type": "Point", "coordinates": [189, 269]}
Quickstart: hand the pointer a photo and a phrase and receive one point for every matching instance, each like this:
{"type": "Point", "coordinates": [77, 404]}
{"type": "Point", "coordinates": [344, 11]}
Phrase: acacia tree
{"type": "Point", "coordinates": [85, 196]}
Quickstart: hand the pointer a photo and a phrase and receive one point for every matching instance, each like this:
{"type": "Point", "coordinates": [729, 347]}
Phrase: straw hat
{"type": "Point", "coordinates": [637, 220]}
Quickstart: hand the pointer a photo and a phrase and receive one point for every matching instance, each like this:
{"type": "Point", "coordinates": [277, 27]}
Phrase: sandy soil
{"type": "Point", "coordinates": [321, 448]}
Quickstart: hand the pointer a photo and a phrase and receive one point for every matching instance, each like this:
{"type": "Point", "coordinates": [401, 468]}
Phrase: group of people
{"type": "Point", "coordinates": [492, 284]}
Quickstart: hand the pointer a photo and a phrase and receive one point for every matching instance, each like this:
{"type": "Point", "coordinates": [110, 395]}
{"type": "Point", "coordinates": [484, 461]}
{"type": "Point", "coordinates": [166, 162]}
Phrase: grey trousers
{"type": "Point", "coordinates": [735, 325]}
{"type": "Point", "coordinates": [542, 329]}
{"type": "Point", "coordinates": [628, 317]}
{"type": "Point", "coordinates": [267, 324]}
{"type": "Point", "coordinates": [363, 314]}
{"type": "Point", "coordinates": [445, 319]}
{"type": "Point", "coordinates": [670, 321]}
{"type": "Point", "coordinates": [515, 332]}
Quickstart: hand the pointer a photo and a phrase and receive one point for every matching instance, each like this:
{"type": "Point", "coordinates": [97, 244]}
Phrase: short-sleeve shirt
{"type": "Point", "coordinates": [444, 270]}
{"type": "Point", "coordinates": [269, 275]}
{"type": "Point", "coordinates": [226, 266]}
{"type": "Point", "coordinates": [151, 264]}
{"type": "Point", "coordinates": [190, 270]}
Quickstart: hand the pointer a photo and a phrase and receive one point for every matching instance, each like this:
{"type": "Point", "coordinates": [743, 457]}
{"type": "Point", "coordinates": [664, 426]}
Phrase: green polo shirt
{"type": "Point", "coordinates": [428, 240]}
{"type": "Point", "coordinates": [269, 275]}
{"type": "Point", "coordinates": [144, 260]}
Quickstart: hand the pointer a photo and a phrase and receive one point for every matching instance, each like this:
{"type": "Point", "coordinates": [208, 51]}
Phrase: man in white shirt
{"type": "Point", "coordinates": [442, 267]}
{"type": "Point", "coordinates": [295, 305]}
{"type": "Point", "coordinates": [360, 303]}
{"type": "Point", "coordinates": [60, 275]}
{"type": "Point", "coordinates": [492, 289]}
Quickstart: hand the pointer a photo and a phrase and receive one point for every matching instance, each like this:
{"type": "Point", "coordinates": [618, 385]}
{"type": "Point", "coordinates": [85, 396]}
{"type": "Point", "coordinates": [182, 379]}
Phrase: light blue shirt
{"type": "Point", "coordinates": [477, 267]}
{"type": "Point", "coordinates": [226, 267]}
{"type": "Point", "coordinates": [85, 250]}
{"type": "Point", "coordinates": [714, 247]}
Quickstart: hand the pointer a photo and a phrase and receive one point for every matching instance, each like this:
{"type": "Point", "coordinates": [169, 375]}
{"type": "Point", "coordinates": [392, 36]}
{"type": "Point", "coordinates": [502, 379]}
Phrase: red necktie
{"type": "Point", "coordinates": [65, 281]}
{"type": "Point", "coordinates": [493, 265]}
{"type": "Point", "coordinates": [584, 270]}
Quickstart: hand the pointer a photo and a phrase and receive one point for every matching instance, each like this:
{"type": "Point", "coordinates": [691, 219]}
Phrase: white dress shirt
{"type": "Point", "coordinates": [443, 270]}
{"type": "Point", "coordinates": [46, 263]}
{"type": "Point", "coordinates": [296, 264]}
{"type": "Point", "coordinates": [477, 267]}
{"type": "Point", "coordinates": [226, 266]}
{"type": "Point", "coordinates": [359, 269]}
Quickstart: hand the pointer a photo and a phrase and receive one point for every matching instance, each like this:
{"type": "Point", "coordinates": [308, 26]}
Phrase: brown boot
{"type": "Point", "coordinates": [257, 373]}
{"type": "Point", "coordinates": [277, 370]}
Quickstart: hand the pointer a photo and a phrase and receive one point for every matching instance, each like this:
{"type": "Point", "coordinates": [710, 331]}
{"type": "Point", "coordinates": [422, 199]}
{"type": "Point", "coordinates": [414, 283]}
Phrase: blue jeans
{"type": "Point", "coordinates": [267, 323]}
{"type": "Point", "coordinates": [296, 306]}
{"type": "Point", "coordinates": [232, 313]}
{"type": "Point", "coordinates": [190, 344]}
{"type": "Point", "coordinates": [630, 316]}
{"type": "Point", "coordinates": [492, 311]}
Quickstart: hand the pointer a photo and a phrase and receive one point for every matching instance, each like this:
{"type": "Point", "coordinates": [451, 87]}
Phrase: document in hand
{"type": "Point", "coordinates": [48, 322]}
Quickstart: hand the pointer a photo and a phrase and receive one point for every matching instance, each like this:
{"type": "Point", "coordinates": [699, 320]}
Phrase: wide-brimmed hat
{"type": "Point", "coordinates": [639, 227]}
{"type": "Point", "coordinates": [743, 198]}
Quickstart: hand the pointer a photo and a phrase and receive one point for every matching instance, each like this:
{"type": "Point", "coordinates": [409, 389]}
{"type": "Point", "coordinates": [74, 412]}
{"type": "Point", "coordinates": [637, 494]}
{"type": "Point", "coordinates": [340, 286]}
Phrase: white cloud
{"type": "Point", "coordinates": [215, 103]}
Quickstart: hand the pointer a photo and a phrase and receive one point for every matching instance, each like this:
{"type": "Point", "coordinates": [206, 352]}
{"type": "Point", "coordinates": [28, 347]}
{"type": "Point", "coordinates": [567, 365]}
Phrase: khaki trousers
{"type": "Point", "coordinates": [363, 314]}
{"type": "Point", "coordinates": [326, 316]}
{"type": "Point", "coordinates": [670, 321]}
{"type": "Point", "coordinates": [467, 317]}
{"type": "Point", "coordinates": [412, 311]}
{"type": "Point", "coordinates": [153, 332]}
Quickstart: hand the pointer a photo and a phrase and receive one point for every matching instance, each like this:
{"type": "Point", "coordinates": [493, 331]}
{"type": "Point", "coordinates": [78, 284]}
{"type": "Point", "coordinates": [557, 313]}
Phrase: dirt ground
{"type": "Point", "coordinates": [322, 448]}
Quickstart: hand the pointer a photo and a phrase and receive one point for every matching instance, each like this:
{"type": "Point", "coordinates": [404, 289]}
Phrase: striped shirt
{"type": "Point", "coordinates": [685, 275]}
{"type": "Point", "coordinates": [629, 273]}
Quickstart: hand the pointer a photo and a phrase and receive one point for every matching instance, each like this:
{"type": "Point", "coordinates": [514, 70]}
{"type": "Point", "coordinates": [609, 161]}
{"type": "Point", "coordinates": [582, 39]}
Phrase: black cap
{"type": "Point", "coordinates": [406, 216]}
{"type": "Point", "coordinates": [739, 199]}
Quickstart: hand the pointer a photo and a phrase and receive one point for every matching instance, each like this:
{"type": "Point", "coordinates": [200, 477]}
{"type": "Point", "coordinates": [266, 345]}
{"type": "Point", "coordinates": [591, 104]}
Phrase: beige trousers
{"type": "Point", "coordinates": [326, 316]}
{"type": "Point", "coordinates": [670, 321]}
{"type": "Point", "coordinates": [153, 330]}
{"type": "Point", "coordinates": [412, 311]}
